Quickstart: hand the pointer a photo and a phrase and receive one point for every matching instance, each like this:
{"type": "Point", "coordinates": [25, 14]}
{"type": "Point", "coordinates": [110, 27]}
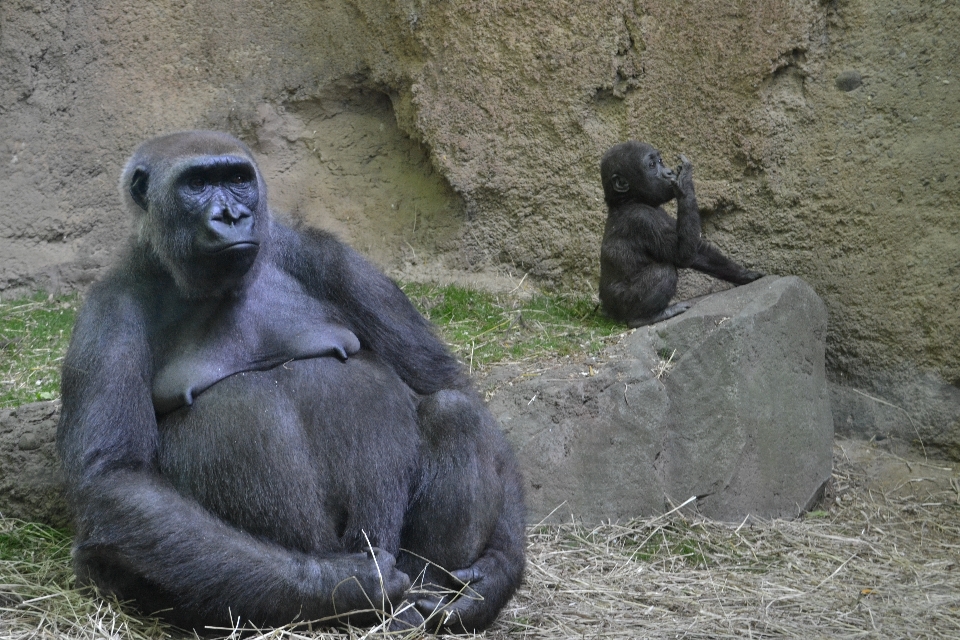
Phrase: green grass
{"type": "Point", "coordinates": [481, 328]}
{"type": "Point", "coordinates": [484, 328]}
{"type": "Point", "coordinates": [34, 333]}
{"type": "Point", "coordinates": [29, 542]}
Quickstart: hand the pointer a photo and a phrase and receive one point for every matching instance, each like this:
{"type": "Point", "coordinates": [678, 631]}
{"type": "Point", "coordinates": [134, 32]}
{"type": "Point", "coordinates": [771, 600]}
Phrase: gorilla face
{"type": "Point", "coordinates": [634, 172]}
{"type": "Point", "coordinates": [202, 217]}
{"type": "Point", "coordinates": [218, 197]}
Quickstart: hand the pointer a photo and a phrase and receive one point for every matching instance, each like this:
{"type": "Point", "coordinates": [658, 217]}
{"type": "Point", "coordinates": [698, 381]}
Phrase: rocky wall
{"type": "Point", "coordinates": [445, 136]}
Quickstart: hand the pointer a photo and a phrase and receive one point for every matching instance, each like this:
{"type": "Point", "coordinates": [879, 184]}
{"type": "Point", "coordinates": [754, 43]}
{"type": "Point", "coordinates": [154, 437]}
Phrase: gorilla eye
{"type": "Point", "coordinates": [238, 178]}
{"type": "Point", "coordinates": [620, 185]}
{"type": "Point", "coordinates": [196, 183]}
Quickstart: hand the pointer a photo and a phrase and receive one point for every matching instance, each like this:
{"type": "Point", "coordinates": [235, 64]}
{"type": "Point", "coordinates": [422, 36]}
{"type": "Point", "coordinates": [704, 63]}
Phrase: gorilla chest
{"type": "Point", "coordinates": [302, 453]}
{"type": "Point", "coordinates": [274, 321]}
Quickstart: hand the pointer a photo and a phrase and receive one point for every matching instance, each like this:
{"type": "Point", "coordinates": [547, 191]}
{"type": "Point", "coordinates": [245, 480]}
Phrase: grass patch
{"type": "Point", "coordinates": [485, 328]}
{"type": "Point", "coordinates": [481, 328]}
{"type": "Point", "coordinates": [34, 334]}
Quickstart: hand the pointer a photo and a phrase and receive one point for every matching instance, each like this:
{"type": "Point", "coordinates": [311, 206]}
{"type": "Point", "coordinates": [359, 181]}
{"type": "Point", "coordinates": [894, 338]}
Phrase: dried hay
{"type": "Point", "coordinates": [880, 565]}
{"type": "Point", "coordinates": [882, 560]}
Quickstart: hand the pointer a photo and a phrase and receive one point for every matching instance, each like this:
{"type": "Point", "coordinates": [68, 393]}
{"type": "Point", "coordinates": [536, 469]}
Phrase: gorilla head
{"type": "Point", "coordinates": [634, 172]}
{"type": "Point", "coordinates": [200, 206]}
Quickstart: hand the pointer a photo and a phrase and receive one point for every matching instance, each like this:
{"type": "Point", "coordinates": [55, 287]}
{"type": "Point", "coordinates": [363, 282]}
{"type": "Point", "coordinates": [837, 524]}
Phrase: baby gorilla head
{"type": "Point", "coordinates": [634, 172]}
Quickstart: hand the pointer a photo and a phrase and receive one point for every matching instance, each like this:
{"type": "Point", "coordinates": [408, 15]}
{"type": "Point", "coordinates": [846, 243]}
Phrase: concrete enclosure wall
{"type": "Point", "coordinates": [464, 135]}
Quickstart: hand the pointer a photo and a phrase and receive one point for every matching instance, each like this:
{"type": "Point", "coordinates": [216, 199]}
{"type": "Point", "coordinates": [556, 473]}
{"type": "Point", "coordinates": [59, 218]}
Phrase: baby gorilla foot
{"type": "Point", "coordinates": [669, 312]}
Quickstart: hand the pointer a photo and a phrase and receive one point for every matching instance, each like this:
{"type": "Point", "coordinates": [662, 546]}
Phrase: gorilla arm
{"type": "Point", "coordinates": [688, 215]}
{"type": "Point", "coordinates": [661, 237]}
{"type": "Point", "coordinates": [376, 310]}
{"type": "Point", "coordinates": [136, 532]}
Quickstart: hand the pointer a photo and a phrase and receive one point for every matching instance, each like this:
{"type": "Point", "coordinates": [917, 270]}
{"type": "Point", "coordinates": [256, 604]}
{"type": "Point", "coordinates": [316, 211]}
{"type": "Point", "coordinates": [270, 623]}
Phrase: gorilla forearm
{"type": "Point", "coordinates": [383, 317]}
{"type": "Point", "coordinates": [132, 523]}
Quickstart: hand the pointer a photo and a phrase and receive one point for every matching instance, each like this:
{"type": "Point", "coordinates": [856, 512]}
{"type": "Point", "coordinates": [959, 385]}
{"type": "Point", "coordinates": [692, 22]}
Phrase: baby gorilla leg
{"type": "Point", "coordinates": [710, 260]}
{"type": "Point", "coordinates": [648, 296]}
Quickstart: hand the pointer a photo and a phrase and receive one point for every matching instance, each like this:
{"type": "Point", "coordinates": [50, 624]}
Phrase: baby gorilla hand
{"type": "Point", "coordinates": [683, 183]}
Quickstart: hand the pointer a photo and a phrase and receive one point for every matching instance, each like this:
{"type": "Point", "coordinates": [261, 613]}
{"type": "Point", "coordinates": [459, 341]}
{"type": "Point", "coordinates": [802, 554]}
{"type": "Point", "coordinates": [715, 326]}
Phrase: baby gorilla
{"type": "Point", "coordinates": [642, 245]}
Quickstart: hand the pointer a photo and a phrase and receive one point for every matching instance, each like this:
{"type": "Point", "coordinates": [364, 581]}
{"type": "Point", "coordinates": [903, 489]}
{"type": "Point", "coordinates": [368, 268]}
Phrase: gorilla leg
{"type": "Point", "coordinates": [709, 260]}
{"type": "Point", "coordinates": [466, 522]}
{"type": "Point", "coordinates": [646, 298]}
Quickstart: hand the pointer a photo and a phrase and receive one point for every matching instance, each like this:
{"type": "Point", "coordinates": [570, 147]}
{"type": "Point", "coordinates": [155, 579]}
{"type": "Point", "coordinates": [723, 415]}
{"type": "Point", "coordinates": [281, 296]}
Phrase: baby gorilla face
{"type": "Point", "coordinates": [634, 172]}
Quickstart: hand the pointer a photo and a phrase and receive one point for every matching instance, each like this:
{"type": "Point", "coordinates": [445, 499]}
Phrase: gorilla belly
{"type": "Point", "coordinates": [317, 455]}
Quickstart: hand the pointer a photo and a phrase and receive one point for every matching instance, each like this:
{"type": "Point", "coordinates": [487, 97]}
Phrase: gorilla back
{"type": "Point", "coordinates": [258, 425]}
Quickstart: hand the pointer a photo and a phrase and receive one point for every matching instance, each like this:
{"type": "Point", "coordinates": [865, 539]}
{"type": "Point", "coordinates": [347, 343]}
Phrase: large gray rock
{"type": "Point", "coordinates": [727, 402]}
{"type": "Point", "coordinates": [31, 486]}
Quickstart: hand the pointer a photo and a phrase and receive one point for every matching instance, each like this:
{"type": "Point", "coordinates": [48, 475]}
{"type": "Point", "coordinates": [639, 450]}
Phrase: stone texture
{"type": "Point", "coordinates": [31, 487]}
{"type": "Point", "coordinates": [466, 135]}
{"type": "Point", "coordinates": [727, 402]}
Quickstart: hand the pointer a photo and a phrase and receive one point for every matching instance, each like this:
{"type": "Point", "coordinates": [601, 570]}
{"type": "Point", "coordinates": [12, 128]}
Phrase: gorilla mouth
{"type": "Point", "coordinates": [245, 245]}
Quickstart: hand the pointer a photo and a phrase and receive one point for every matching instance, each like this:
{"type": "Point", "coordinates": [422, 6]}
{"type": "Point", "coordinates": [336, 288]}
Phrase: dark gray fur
{"type": "Point", "coordinates": [258, 425]}
{"type": "Point", "coordinates": [643, 246]}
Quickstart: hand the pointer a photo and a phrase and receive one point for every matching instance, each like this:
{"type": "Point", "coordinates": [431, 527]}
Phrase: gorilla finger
{"type": "Point", "coordinates": [383, 558]}
{"type": "Point", "coordinates": [470, 574]}
{"type": "Point", "coordinates": [396, 586]}
{"type": "Point", "coordinates": [456, 612]}
{"type": "Point", "coordinates": [429, 606]}
{"type": "Point", "coordinates": [406, 618]}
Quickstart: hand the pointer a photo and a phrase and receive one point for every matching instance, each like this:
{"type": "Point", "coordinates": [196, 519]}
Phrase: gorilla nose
{"type": "Point", "coordinates": [230, 216]}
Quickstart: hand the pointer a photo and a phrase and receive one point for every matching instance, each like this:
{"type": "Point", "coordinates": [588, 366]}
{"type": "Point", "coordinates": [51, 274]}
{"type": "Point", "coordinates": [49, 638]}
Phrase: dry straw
{"type": "Point", "coordinates": [872, 564]}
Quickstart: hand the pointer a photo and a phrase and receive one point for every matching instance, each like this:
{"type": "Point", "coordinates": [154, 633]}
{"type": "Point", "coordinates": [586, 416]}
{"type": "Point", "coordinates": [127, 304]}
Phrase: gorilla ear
{"type": "Point", "coordinates": [620, 185]}
{"type": "Point", "coordinates": [138, 187]}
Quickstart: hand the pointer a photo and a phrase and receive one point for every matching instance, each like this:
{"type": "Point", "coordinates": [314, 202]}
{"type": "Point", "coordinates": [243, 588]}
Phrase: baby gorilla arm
{"type": "Point", "coordinates": [688, 215]}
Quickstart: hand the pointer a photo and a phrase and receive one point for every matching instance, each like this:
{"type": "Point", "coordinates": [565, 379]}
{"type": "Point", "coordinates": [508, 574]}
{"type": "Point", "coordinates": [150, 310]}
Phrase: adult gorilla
{"type": "Point", "coordinates": [258, 425]}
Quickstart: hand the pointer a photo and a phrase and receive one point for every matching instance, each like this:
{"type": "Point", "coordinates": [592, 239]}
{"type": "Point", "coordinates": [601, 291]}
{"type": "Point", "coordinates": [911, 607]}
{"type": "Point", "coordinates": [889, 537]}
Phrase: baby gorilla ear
{"type": "Point", "coordinates": [620, 185]}
{"type": "Point", "coordinates": [138, 187]}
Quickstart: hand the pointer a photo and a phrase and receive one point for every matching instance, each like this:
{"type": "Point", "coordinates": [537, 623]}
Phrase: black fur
{"type": "Point", "coordinates": [643, 246]}
{"type": "Point", "coordinates": [258, 425]}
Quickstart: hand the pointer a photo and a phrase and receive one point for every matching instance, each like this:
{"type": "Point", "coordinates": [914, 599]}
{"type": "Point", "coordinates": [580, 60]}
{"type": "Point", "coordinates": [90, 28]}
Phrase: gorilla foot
{"type": "Point", "coordinates": [669, 312]}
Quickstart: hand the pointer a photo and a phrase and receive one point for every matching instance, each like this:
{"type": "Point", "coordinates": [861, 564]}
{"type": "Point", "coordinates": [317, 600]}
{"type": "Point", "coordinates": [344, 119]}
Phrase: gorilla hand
{"type": "Point", "coordinates": [683, 183]}
{"type": "Point", "coordinates": [458, 612]}
{"type": "Point", "coordinates": [372, 582]}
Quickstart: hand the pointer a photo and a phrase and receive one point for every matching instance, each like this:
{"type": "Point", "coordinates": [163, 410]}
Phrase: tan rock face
{"type": "Point", "coordinates": [459, 135]}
